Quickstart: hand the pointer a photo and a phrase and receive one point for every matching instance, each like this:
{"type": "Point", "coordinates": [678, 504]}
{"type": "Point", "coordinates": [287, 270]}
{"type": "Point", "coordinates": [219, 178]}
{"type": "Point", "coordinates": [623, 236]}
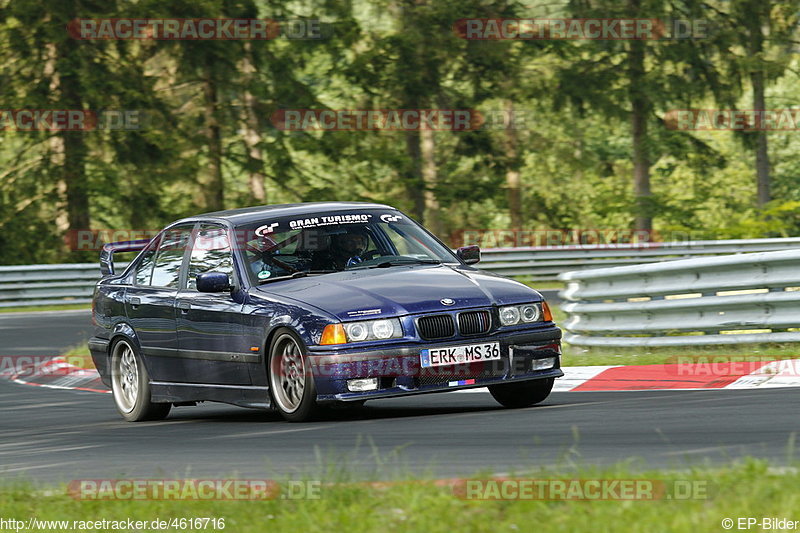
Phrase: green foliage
{"type": "Point", "coordinates": [749, 489]}
{"type": "Point", "coordinates": [573, 153]}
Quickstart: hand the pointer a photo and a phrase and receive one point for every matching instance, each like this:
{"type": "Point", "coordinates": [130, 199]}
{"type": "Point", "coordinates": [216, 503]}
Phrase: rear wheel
{"type": "Point", "coordinates": [291, 382]}
{"type": "Point", "coordinates": [130, 385]}
{"type": "Point", "coordinates": [523, 394]}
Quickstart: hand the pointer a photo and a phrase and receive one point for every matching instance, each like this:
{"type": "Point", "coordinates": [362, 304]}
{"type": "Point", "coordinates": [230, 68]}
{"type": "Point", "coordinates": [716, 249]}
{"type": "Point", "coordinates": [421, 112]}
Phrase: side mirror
{"type": "Point", "coordinates": [469, 254]}
{"type": "Point", "coordinates": [213, 282]}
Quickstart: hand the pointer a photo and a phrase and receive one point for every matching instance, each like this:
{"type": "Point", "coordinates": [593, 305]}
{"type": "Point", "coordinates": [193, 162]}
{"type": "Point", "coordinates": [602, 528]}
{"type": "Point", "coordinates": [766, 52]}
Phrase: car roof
{"type": "Point", "coordinates": [247, 215]}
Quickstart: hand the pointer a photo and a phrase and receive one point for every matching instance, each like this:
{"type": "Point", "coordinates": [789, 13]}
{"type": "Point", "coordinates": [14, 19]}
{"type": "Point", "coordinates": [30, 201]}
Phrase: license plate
{"type": "Point", "coordinates": [454, 355]}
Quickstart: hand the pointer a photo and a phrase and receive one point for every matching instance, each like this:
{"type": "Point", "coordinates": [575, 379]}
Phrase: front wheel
{"type": "Point", "coordinates": [291, 382]}
{"type": "Point", "coordinates": [523, 394]}
{"type": "Point", "coordinates": [130, 385]}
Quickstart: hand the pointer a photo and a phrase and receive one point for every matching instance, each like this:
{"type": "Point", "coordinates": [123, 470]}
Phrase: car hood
{"type": "Point", "coordinates": [401, 290]}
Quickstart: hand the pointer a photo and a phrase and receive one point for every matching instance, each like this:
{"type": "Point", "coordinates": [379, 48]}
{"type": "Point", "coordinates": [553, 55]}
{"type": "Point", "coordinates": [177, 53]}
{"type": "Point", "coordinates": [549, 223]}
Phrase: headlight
{"type": "Point", "coordinates": [373, 330]}
{"type": "Point", "coordinates": [357, 332]}
{"type": "Point", "coordinates": [509, 315]}
{"type": "Point", "coordinates": [529, 313]}
{"type": "Point", "coordinates": [383, 329]}
{"type": "Point", "coordinates": [514, 314]}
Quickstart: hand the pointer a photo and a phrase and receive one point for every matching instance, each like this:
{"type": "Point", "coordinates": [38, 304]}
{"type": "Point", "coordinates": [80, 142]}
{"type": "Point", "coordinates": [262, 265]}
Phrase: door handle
{"type": "Point", "coordinates": [184, 307]}
{"type": "Point", "coordinates": [134, 301]}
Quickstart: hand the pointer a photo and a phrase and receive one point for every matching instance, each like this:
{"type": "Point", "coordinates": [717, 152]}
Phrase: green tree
{"type": "Point", "coordinates": [638, 80]}
{"type": "Point", "coordinates": [759, 35]}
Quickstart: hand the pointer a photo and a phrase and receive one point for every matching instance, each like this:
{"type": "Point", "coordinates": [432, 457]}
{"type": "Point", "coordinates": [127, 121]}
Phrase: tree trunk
{"type": "Point", "coordinates": [430, 178]}
{"type": "Point", "coordinates": [513, 183]}
{"type": "Point", "coordinates": [639, 110]}
{"type": "Point", "coordinates": [641, 170]}
{"type": "Point", "coordinates": [252, 136]}
{"type": "Point", "coordinates": [56, 144]}
{"type": "Point", "coordinates": [211, 194]}
{"type": "Point", "coordinates": [762, 150]}
{"type": "Point", "coordinates": [74, 172]}
{"type": "Point", "coordinates": [756, 48]}
{"type": "Point", "coordinates": [71, 145]}
{"type": "Point", "coordinates": [413, 179]}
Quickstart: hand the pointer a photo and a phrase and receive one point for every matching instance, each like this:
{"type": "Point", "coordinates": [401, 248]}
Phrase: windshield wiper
{"type": "Point", "coordinates": [406, 261]}
{"type": "Point", "coordinates": [295, 275]}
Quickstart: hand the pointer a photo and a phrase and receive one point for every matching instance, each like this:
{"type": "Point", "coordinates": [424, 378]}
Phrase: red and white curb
{"type": "Point", "coordinates": [683, 376]}
{"type": "Point", "coordinates": [680, 376]}
{"type": "Point", "coordinates": [57, 373]}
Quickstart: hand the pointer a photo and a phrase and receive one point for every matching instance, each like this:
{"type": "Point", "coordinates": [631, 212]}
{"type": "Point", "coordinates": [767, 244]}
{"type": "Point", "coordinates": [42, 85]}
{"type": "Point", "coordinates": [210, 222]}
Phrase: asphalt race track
{"type": "Point", "coordinates": [60, 435]}
{"type": "Point", "coordinates": [45, 333]}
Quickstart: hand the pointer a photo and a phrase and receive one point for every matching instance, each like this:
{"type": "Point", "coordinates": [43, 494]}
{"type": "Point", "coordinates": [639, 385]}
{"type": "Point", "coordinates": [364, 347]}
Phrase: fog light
{"type": "Point", "coordinates": [361, 385]}
{"type": "Point", "coordinates": [543, 364]}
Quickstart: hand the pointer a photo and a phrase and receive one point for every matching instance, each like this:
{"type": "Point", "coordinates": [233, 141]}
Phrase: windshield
{"type": "Point", "coordinates": [278, 248]}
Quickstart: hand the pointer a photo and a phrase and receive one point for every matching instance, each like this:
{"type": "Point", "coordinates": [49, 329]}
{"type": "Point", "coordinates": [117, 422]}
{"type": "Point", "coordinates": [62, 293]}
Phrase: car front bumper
{"type": "Point", "coordinates": [398, 372]}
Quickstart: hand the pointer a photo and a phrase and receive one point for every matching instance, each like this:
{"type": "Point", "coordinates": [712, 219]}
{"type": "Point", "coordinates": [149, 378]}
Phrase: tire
{"type": "Point", "coordinates": [291, 382]}
{"type": "Point", "coordinates": [524, 394]}
{"type": "Point", "coordinates": [130, 385]}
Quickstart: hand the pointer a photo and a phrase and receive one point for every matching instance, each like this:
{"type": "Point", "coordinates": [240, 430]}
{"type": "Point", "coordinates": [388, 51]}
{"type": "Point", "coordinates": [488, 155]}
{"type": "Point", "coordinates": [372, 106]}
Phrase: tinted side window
{"type": "Point", "coordinates": [167, 270]}
{"type": "Point", "coordinates": [145, 269]}
{"type": "Point", "coordinates": [211, 253]}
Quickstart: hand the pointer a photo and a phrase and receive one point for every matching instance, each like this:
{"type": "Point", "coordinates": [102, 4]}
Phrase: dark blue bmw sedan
{"type": "Point", "coordinates": [299, 307]}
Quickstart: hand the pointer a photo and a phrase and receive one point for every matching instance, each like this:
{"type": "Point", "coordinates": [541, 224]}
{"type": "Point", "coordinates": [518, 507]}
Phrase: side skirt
{"type": "Point", "coordinates": [240, 395]}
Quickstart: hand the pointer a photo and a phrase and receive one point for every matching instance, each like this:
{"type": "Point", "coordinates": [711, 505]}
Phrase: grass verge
{"type": "Point", "coordinates": [79, 356]}
{"type": "Point", "coordinates": [750, 489]}
{"type": "Point", "coordinates": [541, 285]}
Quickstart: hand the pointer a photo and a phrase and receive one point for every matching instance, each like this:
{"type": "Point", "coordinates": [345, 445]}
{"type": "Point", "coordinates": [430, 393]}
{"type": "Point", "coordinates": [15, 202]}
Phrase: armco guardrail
{"type": "Point", "coordinates": [47, 284]}
{"type": "Point", "coordinates": [73, 283]}
{"type": "Point", "coordinates": [546, 263]}
{"type": "Point", "coordinates": [730, 299]}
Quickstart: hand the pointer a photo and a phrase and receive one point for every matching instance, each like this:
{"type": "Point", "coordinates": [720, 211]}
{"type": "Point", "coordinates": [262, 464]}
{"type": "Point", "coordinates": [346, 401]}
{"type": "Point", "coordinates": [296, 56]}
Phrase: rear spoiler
{"type": "Point", "coordinates": [107, 253]}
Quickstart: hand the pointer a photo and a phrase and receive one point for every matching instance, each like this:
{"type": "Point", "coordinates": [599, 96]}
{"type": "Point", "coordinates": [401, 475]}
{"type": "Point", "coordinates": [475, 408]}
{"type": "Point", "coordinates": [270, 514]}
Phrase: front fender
{"type": "Point", "coordinates": [305, 320]}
